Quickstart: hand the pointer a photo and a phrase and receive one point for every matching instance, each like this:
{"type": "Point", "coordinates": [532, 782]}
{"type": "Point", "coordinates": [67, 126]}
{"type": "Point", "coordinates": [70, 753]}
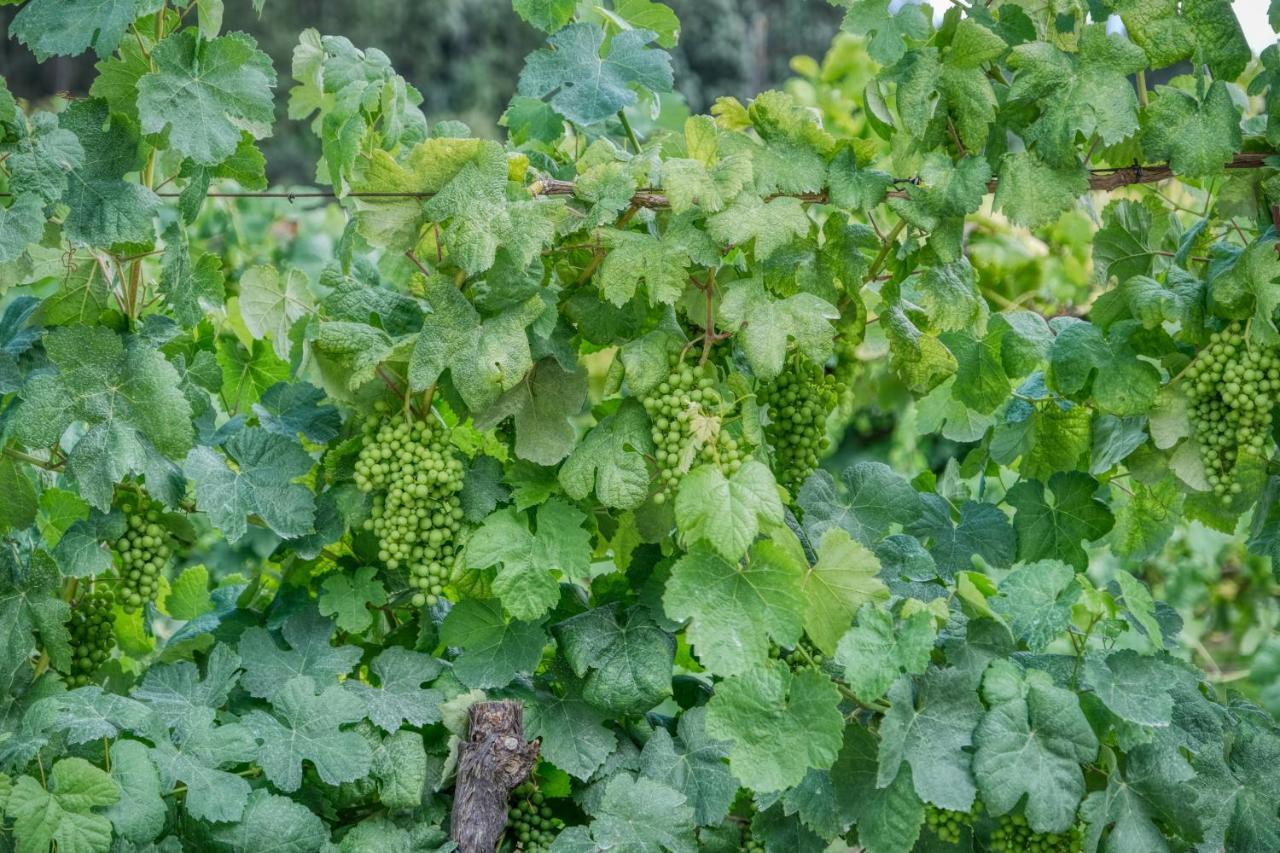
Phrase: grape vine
{"type": "Point", "coordinates": [882, 461]}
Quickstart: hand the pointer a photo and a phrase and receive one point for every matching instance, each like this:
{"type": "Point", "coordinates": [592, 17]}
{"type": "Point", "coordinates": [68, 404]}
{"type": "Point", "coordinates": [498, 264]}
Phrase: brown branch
{"type": "Point", "coordinates": [493, 760]}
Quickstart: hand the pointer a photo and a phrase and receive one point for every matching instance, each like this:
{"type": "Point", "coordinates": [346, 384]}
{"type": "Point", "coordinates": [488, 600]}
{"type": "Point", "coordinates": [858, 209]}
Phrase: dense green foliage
{"type": "Point", "coordinates": [285, 489]}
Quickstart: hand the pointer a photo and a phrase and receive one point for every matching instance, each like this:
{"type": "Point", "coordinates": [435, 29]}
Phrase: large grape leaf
{"type": "Point", "coordinates": [399, 697]}
{"type": "Point", "coordinates": [642, 814]}
{"type": "Point", "coordinates": [780, 724]}
{"type": "Point", "coordinates": [878, 648]}
{"type": "Point", "coordinates": [693, 764]}
{"type": "Point", "coordinates": [1055, 531]}
{"type": "Point", "coordinates": [769, 327]}
{"type": "Point", "coordinates": [734, 609]}
{"type": "Point", "coordinates": [1031, 742]}
{"type": "Point", "coordinates": [574, 737]}
{"type": "Point", "coordinates": [635, 258]}
{"type": "Point", "coordinates": [1035, 601]}
{"type": "Point", "coordinates": [206, 92]}
{"type": "Point", "coordinates": [122, 390]}
{"type": "Point", "coordinates": [930, 726]}
{"type": "Point", "coordinates": [1134, 687]}
{"type": "Point", "coordinates": [267, 667]}
{"type": "Point", "coordinates": [889, 31]}
{"type": "Point", "coordinates": [495, 649]}
{"type": "Point", "coordinates": [105, 208]}
{"type": "Point", "coordinates": [21, 224]}
{"type": "Point", "coordinates": [175, 691]}
{"type": "Point", "coordinates": [1083, 93]}
{"type": "Point", "coordinates": [271, 303]}
{"type": "Point", "coordinates": [610, 460]}
{"type": "Point", "coordinates": [31, 609]}
{"type": "Point", "coordinates": [70, 27]}
{"type": "Point", "coordinates": [139, 814]}
{"type": "Point", "coordinates": [726, 513]}
{"type": "Point", "coordinates": [346, 598]}
{"type": "Point", "coordinates": [304, 725]}
{"type": "Point", "coordinates": [982, 531]}
{"type": "Point", "coordinates": [527, 562]}
{"type": "Point", "coordinates": [874, 499]}
{"type": "Point", "coordinates": [585, 86]}
{"type": "Point", "coordinates": [623, 658]}
{"type": "Point", "coordinates": [273, 824]}
{"type": "Point", "coordinates": [843, 578]}
{"type": "Point", "coordinates": [196, 754]}
{"type": "Point", "coordinates": [261, 484]}
{"type": "Point", "coordinates": [889, 818]}
{"type": "Point", "coordinates": [542, 407]}
{"type": "Point", "coordinates": [63, 816]}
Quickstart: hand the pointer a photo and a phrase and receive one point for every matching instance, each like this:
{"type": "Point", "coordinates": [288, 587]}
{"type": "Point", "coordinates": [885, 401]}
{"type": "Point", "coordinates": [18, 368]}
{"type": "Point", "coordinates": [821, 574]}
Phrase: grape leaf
{"type": "Point", "coordinates": [175, 692]}
{"type": "Point", "coordinates": [63, 815]}
{"type": "Point", "coordinates": [494, 649]}
{"type": "Point", "coordinates": [122, 390]}
{"type": "Point", "coordinates": [546, 15]}
{"type": "Point", "coordinates": [31, 608]}
{"type": "Point", "coordinates": [1031, 741]}
{"type": "Point", "coordinates": [610, 460]}
{"type": "Point", "coordinates": [542, 407]}
{"type": "Point", "coordinates": [574, 737]}
{"type": "Point", "coordinates": [1055, 531]}
{"type": "Point", "coordinates": [768, 326]}
{"type": "Point", "coordinates": [889, 31]}
{"type": "Point", "coordinates": [693, 764]}
{"type": "Point", "coordinates": [189, 288]}
{"type": "Point", "coordinates": [273, 824]}
{"type": "Point", "coordinates": [526, 581]}
{"type": "Point", "coordinates": [931, 728]}
{"type": "Point", "coordinates": [346, 598]}
{"type": "Point", "coordinates": [196, 753]}
{"type": "Point", "coordinates": [271, 303]}
{"type": "Point", "coordinates": [889, 819]}
{"type": "Point", "coordinates": [70, 27]}
{"type": "Point", "coordinates": [877, 649]}
{"type": "Point", "coordinates": [1035, 600]}
{"type": "Point", "coordinates": [290, 408]}
{"type": "Point", "coordinates": [640, 813]}
{"type": "Point", "coordinates": [104, 208]}
{"type": "Point", "coordinates": [399, 697]}
{"type": "Point", "coordinates": [586, 87]}
{"type": "Point", "coordinates": [139, 814]}
{"type": "Point", "coordinates": [734, 609]}
{"type": "Point", "coordinates": [726, 513]}
{"type": "Point", "coordinates": [304, 726]}
{"type": "Point", "coordinates": [875, 498]}
{"type": "Point", "coordinates": [779, 723]}
{"type": "Point", "coordinates": [982, 531]}
{"type": "Point", "coordinates": [843, 579]}
{"type": "Point", "coordinates": [635, 258]}
{"type": "Point", "coordinates": [1033, 193]}
{"type": "Point", "coordinates": [771, 224]}
{"type": "Point", "coordinates": [267, 667]}
{"type": "Point", "coordinates": [21, 224]}
{"type": "Point", "coordinates": [205, 92]}
{"type": "Point", "coordinates": [623, 658]}
{"type": "Point", "coordinates": [1196, 136]}
{"type": "Point", "coordinates": [261, 484]}
{"type": "Point", "coordinates": [1133, 687]}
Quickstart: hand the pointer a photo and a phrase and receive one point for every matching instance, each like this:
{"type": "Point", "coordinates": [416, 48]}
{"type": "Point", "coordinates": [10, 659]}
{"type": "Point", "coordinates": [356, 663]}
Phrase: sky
{"type": "Point", "coordinates": [1253, 18]}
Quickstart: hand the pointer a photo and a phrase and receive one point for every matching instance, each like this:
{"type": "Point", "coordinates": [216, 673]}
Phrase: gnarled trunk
{"type": "Point", "coordinates": [494, 759]}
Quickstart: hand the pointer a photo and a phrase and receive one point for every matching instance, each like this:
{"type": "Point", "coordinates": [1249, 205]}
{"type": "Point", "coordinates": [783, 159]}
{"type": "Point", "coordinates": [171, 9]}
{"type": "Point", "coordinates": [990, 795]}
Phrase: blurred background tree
{"type": "Point", "coordinates": [465, 55]}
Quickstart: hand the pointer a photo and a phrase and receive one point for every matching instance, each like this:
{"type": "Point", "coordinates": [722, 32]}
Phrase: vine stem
{"type": "Point", "coordinates": [886, 246]}
{"type": "Point", "coordinates": [22, 456]}
{"type": "Point", "coordinates": [631, 134]}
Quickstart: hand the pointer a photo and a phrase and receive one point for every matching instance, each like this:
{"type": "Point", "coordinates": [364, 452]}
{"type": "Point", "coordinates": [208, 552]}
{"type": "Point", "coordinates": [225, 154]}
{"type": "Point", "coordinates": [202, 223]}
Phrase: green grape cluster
{"type": "Point", "coordinates": [949, 825]}
{"type": "Point", "coordinates": [798, 401]}
{"type": "Point", "coordinates": [144, 551]}
{"type": "Point", "coordinates": [1013, 835]}
{"type": "Point", "coordinates": [415, 479]}
{"type": "Point", "coordinates": [1232, 389]}
{"type": "Point", "coordinates": [532, 824]}
{"type": "Point", "coordinates": [803, 655]}
{"type": "Point", "coordinates": [685, 411]}
{"type": "Point", "coordinates": [92, 635]}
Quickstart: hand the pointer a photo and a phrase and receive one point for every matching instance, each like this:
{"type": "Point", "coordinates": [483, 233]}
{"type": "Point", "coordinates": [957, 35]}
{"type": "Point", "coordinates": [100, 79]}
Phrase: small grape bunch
{"type": "Point", "coordinates": [1232, 387]}
{"type": "Point", "coordinates": [802, 656]}
{"type": "Point", "coordinates": [1013, 835]}
{"type": "Point", "coordinates": [798, 401]}
{"type": "Point", "coordinates": [92, 635]}
{"type": "Point", "coordinates": [687, 426]}
{"type": "Point", "coordinates": [949, 825]}
{"type": "Point", "coordinates": [750, 843]}
{"type": "Point", "coordinates": [532, 823]}
{"type": "Point", "coordinates": [415, 479]}
{"type": "Point", "coordinates": [144, 551]}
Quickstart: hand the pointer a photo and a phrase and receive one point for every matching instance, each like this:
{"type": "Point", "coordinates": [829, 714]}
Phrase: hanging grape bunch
{"type": "Point", "coordinates": [1231, 386]}
{"type": "Point", "coordinates": [799, 401]}
{"type": "Point", "coordinates": [144, 551]}
{"type": "Point", "coordinates": [533, 826]}
{"type": "Point", "coordinates": [949, 825]}
{"type": "Point", "coordinates": [685, 410]}
{"type": "Point", "coordinates": [92, 636]}
{"type": "Point", "coordinates": [415, 479]}
{"type": "Point", "coordinates": [1013, 835]}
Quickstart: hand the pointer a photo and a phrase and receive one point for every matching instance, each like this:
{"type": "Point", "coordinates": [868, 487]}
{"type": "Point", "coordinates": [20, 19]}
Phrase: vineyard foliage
{"type": "Point", "coordinates": [851, 466]}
